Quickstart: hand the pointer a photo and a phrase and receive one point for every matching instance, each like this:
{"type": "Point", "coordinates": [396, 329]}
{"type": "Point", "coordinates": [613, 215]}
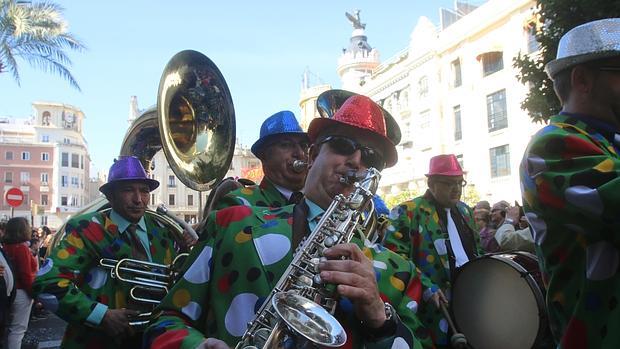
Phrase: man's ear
{"type": "Point", "coordinates": [582, 79]}
{"type": "Point", "coordinates": [313, 152]}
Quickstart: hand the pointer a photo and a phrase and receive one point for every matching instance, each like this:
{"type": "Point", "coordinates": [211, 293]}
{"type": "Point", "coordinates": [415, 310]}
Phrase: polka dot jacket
{"type": "Point", "coordinates": [571, 193]}
{"type": "Point", "coordinates": [229, 275]}
{"type": "Point", "coordinates": [264, 194]}
{"type": "Point", "coordinates": [71, 283]}
{"type": "Point", "coordinates": [415, 233]}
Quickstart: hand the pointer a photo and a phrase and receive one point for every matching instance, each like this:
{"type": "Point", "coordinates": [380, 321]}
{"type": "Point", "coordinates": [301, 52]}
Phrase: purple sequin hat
{"type": "Point", "coordinates": [280, 123]}
{"type": "Point", "coordinates": [127, 168]}
{"type": "Point", "coordinates": [587, 42]}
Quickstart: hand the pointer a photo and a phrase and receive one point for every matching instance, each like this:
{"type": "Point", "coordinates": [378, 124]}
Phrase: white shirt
{"type": "Point", "coordinates": [455, 241]}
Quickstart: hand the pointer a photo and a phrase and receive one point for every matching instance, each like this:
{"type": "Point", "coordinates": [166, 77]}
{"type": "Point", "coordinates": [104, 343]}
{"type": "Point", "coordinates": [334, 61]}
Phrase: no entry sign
{"type": "Point", "coordinates": [14, 197]}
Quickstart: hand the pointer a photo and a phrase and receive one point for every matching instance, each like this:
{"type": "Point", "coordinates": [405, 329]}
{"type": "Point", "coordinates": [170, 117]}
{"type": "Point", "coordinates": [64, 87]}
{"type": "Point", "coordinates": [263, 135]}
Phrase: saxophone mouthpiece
{"type": "Point", "coordinates": [299, 166]}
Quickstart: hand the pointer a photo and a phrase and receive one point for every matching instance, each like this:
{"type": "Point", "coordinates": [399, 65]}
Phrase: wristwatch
{"type": "Point", "coordinates": [388, 328]}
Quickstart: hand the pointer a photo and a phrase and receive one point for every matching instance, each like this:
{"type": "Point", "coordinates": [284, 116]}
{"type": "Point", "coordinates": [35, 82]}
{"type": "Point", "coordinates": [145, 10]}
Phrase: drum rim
{"type": "Point", "coordinates": [540, 295]}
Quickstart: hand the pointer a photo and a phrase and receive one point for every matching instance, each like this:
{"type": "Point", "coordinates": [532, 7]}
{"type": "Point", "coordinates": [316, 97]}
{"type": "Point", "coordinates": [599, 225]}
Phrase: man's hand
{"type": "Point", "coordinates": [212, 343]}
{"type": "Point", "coordinates": [513, 213]}
{"type": "Point", "coordinates": [116, 322]}
{"type": "Point", "coordinates": [188, 239]}
{"type": "Point", "coordinates": [355, 277]}
{"type": "Point", "coordinates": [438, 297]}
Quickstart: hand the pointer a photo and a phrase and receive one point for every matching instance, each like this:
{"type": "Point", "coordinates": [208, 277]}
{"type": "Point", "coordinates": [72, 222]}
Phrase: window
{"type": "Point", "coordinates": [8, 177]}
{"type": "Point", "coordinates": [171, 199]}
{"type": "Point", "coordinates": [25, 155]}
{"type": "Point", "coordinates": [64, 162]}
{"type": "Point", "coordinates": [190, 200]}
{"type": "Point", "coordinates": [45, 156]}
{"type": "Point", "coordinates": [492, 62]}
{"type": "Point", "coordinates": [422, 87]}
{"type": "Point", "coordinates": [45, 138]}
{"type": "Point", "coordinates": [152, 199]}
{"type": "Point", "coordinates": [74, 182]}
{"type": "Point", "coordinates": [75, 160]}
{"type": "Point", "coordinates": [66, 140]}
{"type": "Point", "coordinates": [64, 181]}
{"type": "Point", "coordinates": [44, 199]}
{"type": "Point", "coordinates": [496, 111]}
{"type": "Point", "coordinates": [500, 161]}
{"type": "Point", "coordinates": [24, 178]}
{"type": "Point", "coordinates": [456, 73]}
{"type": "Point", "coordinates": [8, 155]}
{"type": "Point", "coordinates": [44, 178]}
{"type": "Point", "coordinates": [171, 181]}
{"type": "Point", "coordinates": [74, 201]}
{"type": "Point", "coordinates": [63, 201]}
{"type": "Point", "coordinates": [425, 120]}
{"type": "Point", "coordinates": [458, 133]}
{"type": "Point", "coordinates": [82, 162]}
{"type": "Point", "coordinates": [46, 118]}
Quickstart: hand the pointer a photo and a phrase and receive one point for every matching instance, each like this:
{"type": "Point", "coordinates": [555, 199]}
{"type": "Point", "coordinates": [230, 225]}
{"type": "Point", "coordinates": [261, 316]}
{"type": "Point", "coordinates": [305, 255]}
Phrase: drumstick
{"type": "Point", "coordinates": [458, 340]}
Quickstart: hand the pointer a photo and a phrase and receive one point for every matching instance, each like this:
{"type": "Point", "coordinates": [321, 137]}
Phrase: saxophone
{"type": "Point", "coordinates": [298, 313]}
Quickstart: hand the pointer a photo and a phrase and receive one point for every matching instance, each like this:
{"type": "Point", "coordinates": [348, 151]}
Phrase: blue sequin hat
{"type": "Point", "coordinates": [280, 123]}
{"type": "Point", "coordinates": [127, 168]}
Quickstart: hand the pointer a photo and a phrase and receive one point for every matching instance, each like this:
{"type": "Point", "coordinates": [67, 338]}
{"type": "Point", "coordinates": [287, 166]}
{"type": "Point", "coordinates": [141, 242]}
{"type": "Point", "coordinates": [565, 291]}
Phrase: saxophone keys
{"type": "Point", "coordinates": [317, 279]}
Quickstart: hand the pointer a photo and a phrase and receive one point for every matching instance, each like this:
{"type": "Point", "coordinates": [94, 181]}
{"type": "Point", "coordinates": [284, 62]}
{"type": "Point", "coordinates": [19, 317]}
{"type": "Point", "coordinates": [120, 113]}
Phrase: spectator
{"type": "Point", "coordinates": [507, 236]}
{"type": "Point", "coordinates": [482, 218]}
{"type": "Point", "coordinates": [25, 267]}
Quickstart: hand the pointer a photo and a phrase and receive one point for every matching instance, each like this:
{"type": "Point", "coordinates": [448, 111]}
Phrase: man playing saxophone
{"type": "Point", "coordinates": [244, 251]}
{"type": "Point", "coordinates": [73, 285]}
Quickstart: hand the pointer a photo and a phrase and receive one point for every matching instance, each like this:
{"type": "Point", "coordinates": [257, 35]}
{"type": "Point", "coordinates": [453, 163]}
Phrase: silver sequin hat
{"type": "Point", "coordinates": [587, 42]}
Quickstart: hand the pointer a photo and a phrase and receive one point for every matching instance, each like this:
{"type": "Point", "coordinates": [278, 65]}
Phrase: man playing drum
{"type": "Point", "coordinates": [437, 232]}
{"type": "Point", "coordinates": [570, 175]}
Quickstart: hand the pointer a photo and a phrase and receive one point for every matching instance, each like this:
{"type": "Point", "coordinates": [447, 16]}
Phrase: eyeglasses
{"type": "Point", "coordinates": [346, 146]}
{"type": "Point", "coordinates": [462, 183]}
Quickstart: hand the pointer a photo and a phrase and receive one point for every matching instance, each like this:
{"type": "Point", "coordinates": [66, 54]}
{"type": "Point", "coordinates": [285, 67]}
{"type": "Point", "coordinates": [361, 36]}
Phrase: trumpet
{"type": "Point", "coordinates": [300, 166]}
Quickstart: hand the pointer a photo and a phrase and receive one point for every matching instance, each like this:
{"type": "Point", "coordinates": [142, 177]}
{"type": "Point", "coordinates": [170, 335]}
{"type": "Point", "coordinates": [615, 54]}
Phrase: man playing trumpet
{"type": "Point", "coordinates": [281, 143]}
{"type": "Point", "coordinates": [73, 285]}
{"type": "Point", "coordinates": [245, 250]}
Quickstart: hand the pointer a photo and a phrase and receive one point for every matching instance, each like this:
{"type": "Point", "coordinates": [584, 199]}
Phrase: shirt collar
{"type": "Point", "coordinates": [314, 210]}
{"type": "Point", "coordinates": [122, 223]}
{"type": "Point", "coordinates": [604, 128]}
{"type": "Point", "coordinates": [285, 192]}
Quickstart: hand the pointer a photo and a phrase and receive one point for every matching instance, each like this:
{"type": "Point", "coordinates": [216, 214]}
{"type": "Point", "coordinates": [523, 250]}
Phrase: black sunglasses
{"type": "Point", "coordinates": [346, 146]}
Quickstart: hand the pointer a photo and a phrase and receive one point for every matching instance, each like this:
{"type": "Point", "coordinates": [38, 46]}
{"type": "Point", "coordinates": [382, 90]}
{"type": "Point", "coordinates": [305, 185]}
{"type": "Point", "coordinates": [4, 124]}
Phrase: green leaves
{"type": "Point", "coordinates": [36, 33]}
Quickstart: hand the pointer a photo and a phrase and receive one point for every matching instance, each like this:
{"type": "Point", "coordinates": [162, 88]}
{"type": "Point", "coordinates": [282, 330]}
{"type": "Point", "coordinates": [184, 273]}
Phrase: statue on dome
{"type": "Point", "coordinates": [355, 20]}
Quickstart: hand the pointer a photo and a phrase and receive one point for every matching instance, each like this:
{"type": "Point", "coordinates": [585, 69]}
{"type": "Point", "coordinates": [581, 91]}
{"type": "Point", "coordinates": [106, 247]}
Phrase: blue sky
{"type": "Point", "coordinates": [261, 47]}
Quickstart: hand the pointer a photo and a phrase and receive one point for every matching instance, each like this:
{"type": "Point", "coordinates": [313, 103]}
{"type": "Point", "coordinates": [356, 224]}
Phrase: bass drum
{"type": "Point", "coordinates": [498, 302]}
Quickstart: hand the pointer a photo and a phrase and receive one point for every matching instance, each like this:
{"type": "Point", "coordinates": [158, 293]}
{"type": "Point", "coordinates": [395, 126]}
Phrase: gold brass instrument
{"type": "Point", "coordinates": [299, 310]}
{"type": "Point", "coordinates": [194, 124]}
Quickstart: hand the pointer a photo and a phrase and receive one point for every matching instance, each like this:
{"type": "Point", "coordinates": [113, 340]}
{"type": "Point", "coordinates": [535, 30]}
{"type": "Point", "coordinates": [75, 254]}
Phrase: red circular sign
{"type": "Point", "coordinates": [14, 197]}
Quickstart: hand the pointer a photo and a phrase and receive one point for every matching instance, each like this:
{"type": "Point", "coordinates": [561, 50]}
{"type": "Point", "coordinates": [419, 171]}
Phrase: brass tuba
{"type": "Point", "coordinates": [194, 124]}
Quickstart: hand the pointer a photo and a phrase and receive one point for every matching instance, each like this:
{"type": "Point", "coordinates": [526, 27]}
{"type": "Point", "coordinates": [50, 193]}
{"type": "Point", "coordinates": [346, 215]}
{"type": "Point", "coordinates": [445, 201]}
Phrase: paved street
{"type": "Point", "coordinates": [44, 332]}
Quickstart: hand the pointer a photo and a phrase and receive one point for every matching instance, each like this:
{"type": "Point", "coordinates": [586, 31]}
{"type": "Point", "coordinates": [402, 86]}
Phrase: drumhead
{"type": "Point", "coordinates": [494, 306]}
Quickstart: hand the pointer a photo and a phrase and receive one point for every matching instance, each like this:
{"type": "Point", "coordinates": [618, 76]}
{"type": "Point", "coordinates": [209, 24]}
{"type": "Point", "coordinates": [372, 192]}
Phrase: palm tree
{"type": "Point", "coordinates": [37, 33]}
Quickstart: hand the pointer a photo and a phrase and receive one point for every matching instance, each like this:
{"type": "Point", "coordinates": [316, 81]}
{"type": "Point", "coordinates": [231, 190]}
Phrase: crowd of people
{"type": "Point", "coordinates": [392, 292]}
{"type": "Point", "coordinates": [22, 251]}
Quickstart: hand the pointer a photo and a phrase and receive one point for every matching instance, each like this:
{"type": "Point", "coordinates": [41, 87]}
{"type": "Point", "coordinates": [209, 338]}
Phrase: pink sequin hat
{"type": "Point", "coordinates": [445, 165]}
{"type": "Point", "coordinates": [362, 113]}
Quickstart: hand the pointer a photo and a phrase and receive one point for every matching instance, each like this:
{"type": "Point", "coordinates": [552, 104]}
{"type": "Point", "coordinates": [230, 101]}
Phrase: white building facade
{"type": "Point", "coordinates": [452, 90]}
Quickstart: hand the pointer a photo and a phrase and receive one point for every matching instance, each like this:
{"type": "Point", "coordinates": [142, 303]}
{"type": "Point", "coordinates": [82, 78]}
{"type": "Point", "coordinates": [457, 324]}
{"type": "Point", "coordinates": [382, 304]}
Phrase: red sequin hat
{"type": "Point", "coordinates": [445, 165]}
{"type": "Point", "coordinates": [362, 113]}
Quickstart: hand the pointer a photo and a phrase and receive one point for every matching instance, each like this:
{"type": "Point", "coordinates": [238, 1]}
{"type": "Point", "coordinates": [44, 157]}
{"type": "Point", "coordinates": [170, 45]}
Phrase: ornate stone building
{"type": "Point", "coordinates": [452, 90]}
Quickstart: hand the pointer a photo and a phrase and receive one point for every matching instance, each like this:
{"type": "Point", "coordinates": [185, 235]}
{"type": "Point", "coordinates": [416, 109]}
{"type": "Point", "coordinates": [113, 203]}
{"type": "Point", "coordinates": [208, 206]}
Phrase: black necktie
{"type": "Point", "coordinates": [295, 198]}
{"type": "Point", "coordinates": [137, 249]}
